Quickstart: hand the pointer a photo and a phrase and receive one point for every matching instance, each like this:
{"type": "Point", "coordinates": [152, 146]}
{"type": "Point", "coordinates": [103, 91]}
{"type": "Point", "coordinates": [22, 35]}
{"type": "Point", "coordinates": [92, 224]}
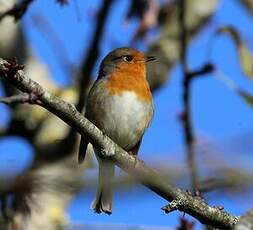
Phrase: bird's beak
{"type": "Point", "coordinates": [150, 58]}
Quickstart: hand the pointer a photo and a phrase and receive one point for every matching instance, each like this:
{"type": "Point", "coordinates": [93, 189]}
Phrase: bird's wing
{"type": "Point", "coordinates": [82, 149]}
{"type": "Point", "coordinates": [134, 150]}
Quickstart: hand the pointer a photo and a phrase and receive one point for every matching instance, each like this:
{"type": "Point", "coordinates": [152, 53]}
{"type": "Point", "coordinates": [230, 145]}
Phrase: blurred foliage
{"type": "Point", "coordinates": [246, 61]}
{"type": "Point", "coordinates": [247, 97]}
{"type": "Point", "coordinates": [245, 55]}
{"type": "Point", "coordinates": [166, 47]}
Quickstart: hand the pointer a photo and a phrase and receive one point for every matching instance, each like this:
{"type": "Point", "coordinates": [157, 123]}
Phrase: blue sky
{"type": "Point", "coordinates": [218, 113]}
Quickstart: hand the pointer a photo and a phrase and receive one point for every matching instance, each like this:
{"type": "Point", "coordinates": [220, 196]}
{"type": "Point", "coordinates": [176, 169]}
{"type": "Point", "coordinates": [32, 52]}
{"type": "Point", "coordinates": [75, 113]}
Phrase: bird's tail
{"type": "Point", "coordinates": [103, 201]}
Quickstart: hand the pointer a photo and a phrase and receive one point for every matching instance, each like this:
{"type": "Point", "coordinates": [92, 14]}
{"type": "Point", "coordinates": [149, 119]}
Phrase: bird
{"type": "Point", "coordinates": [119, 103]}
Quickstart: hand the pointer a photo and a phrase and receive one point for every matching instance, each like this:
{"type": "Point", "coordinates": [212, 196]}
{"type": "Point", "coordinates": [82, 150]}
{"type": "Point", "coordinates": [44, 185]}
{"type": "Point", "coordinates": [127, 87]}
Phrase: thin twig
{"type": "Point", "coordinates": [20, 98]}
{"type": "Point", "coordinates": [93, 52]}
{"type": "Point", "coordinates": [85, 78]}
{"type": "Point", "coordinates": [204, 70]}
{"type": "Point", "coordinates": [189, 136]}
{"type": "Point", "coordinates": [147, 176]}
{"type": "Point", "coordinates": [60, 151]}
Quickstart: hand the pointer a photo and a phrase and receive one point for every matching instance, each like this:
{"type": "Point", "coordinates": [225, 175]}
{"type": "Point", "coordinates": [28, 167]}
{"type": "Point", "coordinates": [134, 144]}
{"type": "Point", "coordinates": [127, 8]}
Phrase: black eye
{"type": "Point", "coordinates": [128, 58]}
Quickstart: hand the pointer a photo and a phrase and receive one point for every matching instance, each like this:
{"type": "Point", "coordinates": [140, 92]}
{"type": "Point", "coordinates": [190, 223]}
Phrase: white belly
{"type": "Point", "coordinates": [122, 117]}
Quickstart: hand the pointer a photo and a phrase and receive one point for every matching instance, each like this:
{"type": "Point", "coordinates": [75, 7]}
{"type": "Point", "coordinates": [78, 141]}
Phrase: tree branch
{"type": "Point", "coordinates": [147, 176]}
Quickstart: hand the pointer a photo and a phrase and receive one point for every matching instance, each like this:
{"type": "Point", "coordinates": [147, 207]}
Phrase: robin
{"type": "Point", "coordinates": [119, 103]}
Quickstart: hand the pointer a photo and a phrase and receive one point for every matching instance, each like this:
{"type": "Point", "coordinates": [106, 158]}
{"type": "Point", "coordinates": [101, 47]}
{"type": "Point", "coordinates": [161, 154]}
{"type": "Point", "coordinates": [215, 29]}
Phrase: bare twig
{"type": "Point", "coordinates": [20, 98]}
{"type": "Point", "coordinates": [248, 4]}
{"type": "Point", "coordinates": [85, 80]}
{"type": "Point", "coordinates": [148, 12]}
{"type": "Point", "coordinates": [165, 47]}
{"type": "Point", "coordinates": [186, 115]}
{"type": "Point", "coordinates": [205, 69]}
{"type": "Point", "coordinates": [18, 10]}
{"type": "Point", "coordinates": [227, 178]}
{"type": "Point", "coordinates": [187, 123]}
{"type": "Point", "coordinates": [147, 176]}
{"type": "Point", "coordinates": [93, 53]}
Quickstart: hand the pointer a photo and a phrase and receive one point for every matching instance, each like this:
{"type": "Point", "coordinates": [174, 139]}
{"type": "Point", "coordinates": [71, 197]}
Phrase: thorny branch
{"type": "Point", "coordinates": [181, 200]}
{"type": "Point", "coordinates": [17, 11]}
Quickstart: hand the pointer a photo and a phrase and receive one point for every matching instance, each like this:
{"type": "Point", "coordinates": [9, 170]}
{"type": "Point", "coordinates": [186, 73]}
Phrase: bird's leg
{"type": "Point", "coordinates": [136, 160]}
{"type": "Point", "coordinates": [135, 157]}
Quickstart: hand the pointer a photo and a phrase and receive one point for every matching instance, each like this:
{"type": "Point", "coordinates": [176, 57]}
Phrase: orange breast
{"type": "Point", "coordinates": [127, 78]}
